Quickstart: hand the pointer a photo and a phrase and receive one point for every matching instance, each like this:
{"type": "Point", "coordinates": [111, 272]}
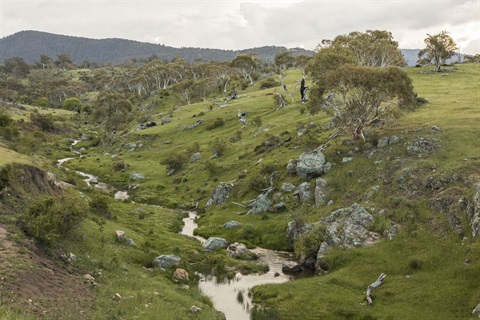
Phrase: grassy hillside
{"type": "Point", "coordinates": [431, 269]}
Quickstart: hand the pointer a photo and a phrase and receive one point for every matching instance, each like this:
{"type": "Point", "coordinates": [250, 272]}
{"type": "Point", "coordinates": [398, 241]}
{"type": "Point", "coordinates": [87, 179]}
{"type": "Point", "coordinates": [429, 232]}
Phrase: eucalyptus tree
{"type": "Point", "coordinates": [438, 48]}
{"type": "Point", "coordinates": [246, 64]}
{"type": "Point", "coordinates": [111, 110]}
{"type": "Point", "coordinates": [357, 83]}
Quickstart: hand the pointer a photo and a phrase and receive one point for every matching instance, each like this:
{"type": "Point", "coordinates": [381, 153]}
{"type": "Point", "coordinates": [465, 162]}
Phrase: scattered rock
{"type": "Point", "coordinates": [117, 297]}
{"type": "Point", "coordinates": [181, 274]}
{"type": "Point", "coordinates": [304, 194]}
{"type": "Point", "coordinates": [295, 229]}
{"type": "Point", "coordinates": [292, 166]}
{"type": "Point", "coordinates": [137, 176]}
{"type": "Point", "coordinates": [389, 234]}
{"type": "Point", "coordinates": [88, 278]}
{"type": "Point", "coordinates": [320, 192]}
{"type": "Point", "coordinates": [166, 120]}
{"type": "Point", "coordinates": [279, 207]}
{"type": "Point", "coordinates": [310, 165]}
{"type": "Point", "coordinates": [214, 243]}
{"type": "Point", "coordinates": [291, 267]}
{"type": "Point", "coordinates": [261, 204]}
{"type": "Point", "coordinates": [382, 142]}
{"type": "Point", "coordinates": [195, 309]}
{"type": "Point", "coordinates": [436, 129]}
{"type": "Point", "coordinates": [347, 159]}
{"type": "Point", "coordinates": [236, 249]}
{"type": "Point", "coordinates": [288, 187]}
{"type": "Point", "coordinates": [120, 235]}
{"type": "Point", "coordinates": [232, 224]}
{"type": "Point", "coordinates": [195, 157]}
{"type": "Point", "coordinates": [165, 261]}
{"type": "Point", "coordinates": [393, 140]}
{"type": "Point", "coordinates": [131, 243]}
{"type": "Point", "coordinates": [423, 145]}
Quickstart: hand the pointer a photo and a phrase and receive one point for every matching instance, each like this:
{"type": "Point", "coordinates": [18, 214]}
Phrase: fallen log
{"type": "Point", "coordinates": [373, 286]}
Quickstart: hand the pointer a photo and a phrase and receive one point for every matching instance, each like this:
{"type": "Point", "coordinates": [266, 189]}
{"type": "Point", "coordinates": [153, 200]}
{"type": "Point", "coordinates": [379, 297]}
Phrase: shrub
{"type": "Point", "coordinates": [41, 102]}
{"type": "Point", "coordinates": [44, 122]}
{"type": "Point", "coordinates": [52, 218]}
{"type": "Point", "coordinates": [175, 161]}
{"type": "Point", "coordinates": [100, 204]}
{"type": "Point", "coordinates": [72, 104]}
{"type": "Point", "coordinates": [270, 82]}
{"type": "Point", "coordinates": [218, 147]}
{"type": "Point", "coordinates": [216, 124]}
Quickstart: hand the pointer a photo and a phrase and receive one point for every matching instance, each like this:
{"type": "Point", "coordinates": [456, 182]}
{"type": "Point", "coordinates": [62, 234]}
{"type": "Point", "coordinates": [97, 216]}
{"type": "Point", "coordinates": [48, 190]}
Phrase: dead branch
{"type": "Point", "coordinates": [196, 124]}
{"type": "Point", "coordinates": [373, 286]}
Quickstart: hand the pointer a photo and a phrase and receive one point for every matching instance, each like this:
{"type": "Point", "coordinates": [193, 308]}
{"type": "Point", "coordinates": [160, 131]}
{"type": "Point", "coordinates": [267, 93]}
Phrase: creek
{"type": "Point", "coordinates": [232, 296]}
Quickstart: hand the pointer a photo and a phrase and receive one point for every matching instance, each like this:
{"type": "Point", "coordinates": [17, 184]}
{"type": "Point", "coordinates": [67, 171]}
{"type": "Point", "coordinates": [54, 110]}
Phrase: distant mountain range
{"type": "Point", "coordinates": [29, 45]}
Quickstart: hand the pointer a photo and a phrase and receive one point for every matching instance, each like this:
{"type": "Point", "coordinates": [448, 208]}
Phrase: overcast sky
{"type": "Point", "coordinates": [228, 24]}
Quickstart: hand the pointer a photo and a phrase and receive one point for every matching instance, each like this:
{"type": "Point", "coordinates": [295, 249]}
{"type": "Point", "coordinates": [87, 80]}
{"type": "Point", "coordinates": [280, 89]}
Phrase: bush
{"type": "Point", "coordinates": [100, 204]}
{"type": "Point", "coordinates": [270, 82]}
{"type": "Point", "coordinates": [72, 104]}
{"type": "Point", "coordinates": [218, 147]}
{"type": "Point", "coordinates": [44, 122]}
{"type": "Point", "coordinates": [52, 218]}
{"type": "Point", "coordinates": [216, 124]}
{"type": "Point", "coordinates": [175, 161]}
{"type": "Point", "coordinates": [41, 102]}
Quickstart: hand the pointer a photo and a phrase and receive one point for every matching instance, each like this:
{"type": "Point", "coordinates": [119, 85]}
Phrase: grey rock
{"type": "Point", "coordinates": [373, 191]}
{"type": "Point", "coordinates": [279, 207]}
{"type": "Point", "coordinates": [423, 145]}
{"type": "Point", "coordinates": [219, 196]}
{"type": "Point", "coordinates": [261, 204]}
{"type": "Point", "coordinates": [288, 187]}
{"type": "Point", "coordinates": [346, 228]}
{"type": "Point", "coordinates": [165, 261]}
{"type": "Point", "coordinates": [436, 129]}
{"type": "Point", "coordinates": [304, 194]}
{"type": "Point", "coordinates": [292, 166]}
{"type": "Point", "coordinates": [291, 267]}
{"type": "Point", "coordinates": [236, 249]}
{"type": "Point", "coordinates": [196, 156]}
{"type": "Point", "coordinates": [320, 192]}
{"type": "Point", "coordinates": [347, 159]}
{"type": "Point", "coordinates": [137, 176]}
{"type": "Point", "coordinates": [214, 243]}
{"type": "Point", "coordinates": [166, 120]}
{"type": "Point", "coordinates": [389, 234]}
{"type": "Point", "coordinates": [131, 243]}
{"type": "Point", "coordinates": [310, 165]}
{"type": "Point", "coordinates": [393, 140]}
{"type": "Point", "coordinates": [120, 235]}
{"type": "Point", "coordinates": [382, 142]}
{"type": "Point", "coordinates": [295, 229]}
{"type": "Point", "coordinates": [367, 146]}
{"type": "Point", "coordinates": [326, 167]}
{"type": "Point", "coordinates": [232, 224]}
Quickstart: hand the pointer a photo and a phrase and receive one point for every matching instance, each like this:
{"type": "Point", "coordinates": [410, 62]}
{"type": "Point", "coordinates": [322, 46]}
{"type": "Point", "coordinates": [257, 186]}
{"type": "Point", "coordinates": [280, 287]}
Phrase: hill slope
{"type": "Point", "coordinates": [29, 45]}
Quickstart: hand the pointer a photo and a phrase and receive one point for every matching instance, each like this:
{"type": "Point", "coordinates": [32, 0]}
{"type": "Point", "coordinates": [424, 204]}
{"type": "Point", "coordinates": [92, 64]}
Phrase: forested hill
{"type": "Point", "coordinates": [29, 45]}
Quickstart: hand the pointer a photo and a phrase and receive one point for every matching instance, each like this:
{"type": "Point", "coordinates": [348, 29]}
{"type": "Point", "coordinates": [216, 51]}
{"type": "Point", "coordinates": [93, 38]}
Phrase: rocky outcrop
{"type": "Point", "coordinates": [305, 196]}
{"type": "Point", "coordinates": [220, 194]}
{"type": "Point", "coordinates": [345, 228]}
{"type": "Point", "coordinates": [165, 261]}
{"type": "Point", "coordinates": [449, 203]}
{"type": "Point", "coordinates": [423, 145]}
{"type": "Point", "coordinates": [214, 243]}
{"type": "Point", "coordinates": [291, 267]}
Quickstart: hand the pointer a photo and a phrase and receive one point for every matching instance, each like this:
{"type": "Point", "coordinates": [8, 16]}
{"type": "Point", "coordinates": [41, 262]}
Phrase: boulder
{"type": "Point", "coordinates": [165, 261]}
{"type": "Point", "coordinates": [236, 249]}
{"type": "Point", "coordinates": [131, 243]}
{"type": "Point", "coordinates": [393, 140]}
{"type": "Point", "coordinates": [310, 165]}
{"type": "Point", "coordinates": [476, 311]}
{"type": "Point", "coordinates": [220, 194]}
{"type": "Point", "coordinates": [291, 267]}
{"type": "Point", "coordinates": [232, 224]}
{"type": "Point", "coordinates": [288, 187]}
{"type": "Point", "coordinates": [214, 243]}
{"type": "Point", "coordinates": [304, 194]}
{"type": "Point", "coordinates": [346, 228]}
{"type": "Point", "coordinates": [292, 166]}
{"type": "Point", "coordinates": [383, 142]}
{"type": "Point", "coordinates": [261, 204]}
{"type": "Point", "coordinates": [295, 229]}
{"type": "Point", "coordinates": [181, 274]}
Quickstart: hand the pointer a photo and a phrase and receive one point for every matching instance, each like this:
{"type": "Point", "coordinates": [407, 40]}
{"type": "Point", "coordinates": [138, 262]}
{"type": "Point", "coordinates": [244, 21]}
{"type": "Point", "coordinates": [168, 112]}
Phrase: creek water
{"type": "Point", "coordinates": [232, 296]}
{"type": "Point", "coordinates": [91, 179]}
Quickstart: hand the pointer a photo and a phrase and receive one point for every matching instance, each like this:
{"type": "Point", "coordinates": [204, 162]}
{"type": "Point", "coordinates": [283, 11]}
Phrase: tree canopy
{"type": "Point", "coordinates": [439, 48]}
